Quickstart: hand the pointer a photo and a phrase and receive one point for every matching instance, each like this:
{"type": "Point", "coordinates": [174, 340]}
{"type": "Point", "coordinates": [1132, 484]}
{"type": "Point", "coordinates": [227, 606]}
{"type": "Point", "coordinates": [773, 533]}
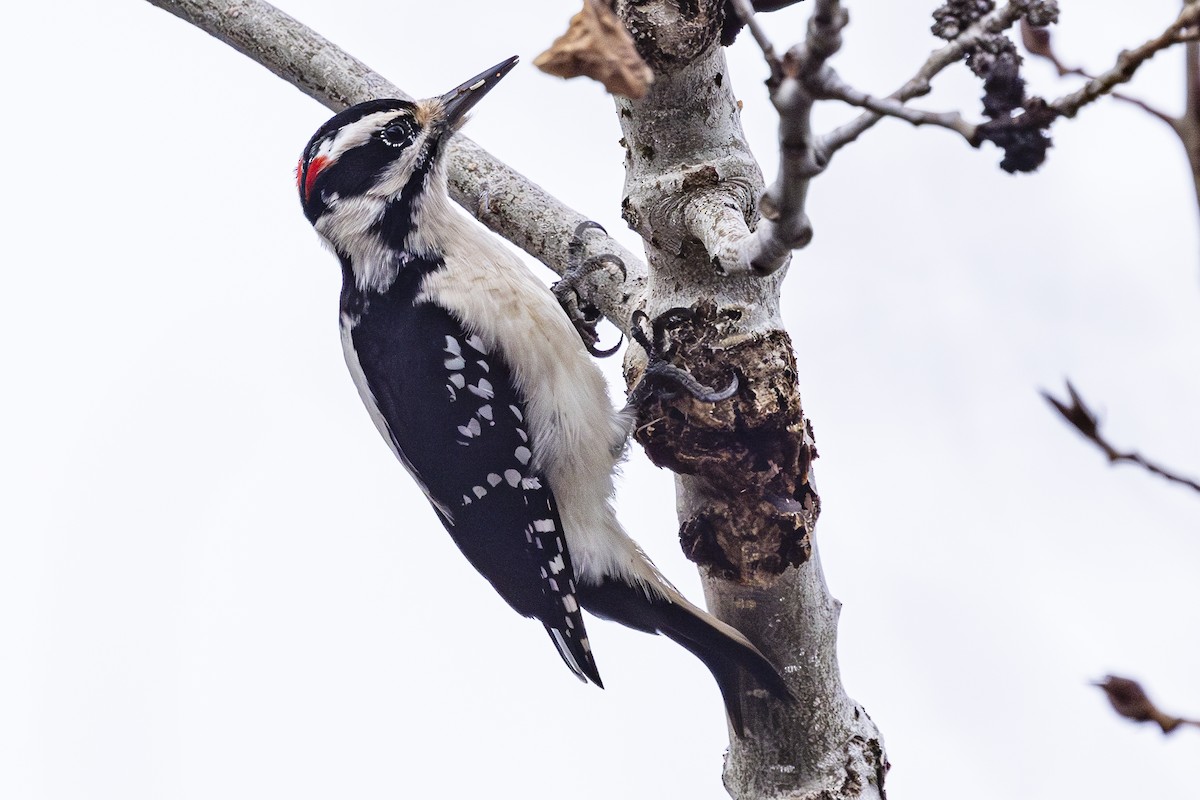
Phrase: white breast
{"type": "Point", "coordinates": [576, 433]}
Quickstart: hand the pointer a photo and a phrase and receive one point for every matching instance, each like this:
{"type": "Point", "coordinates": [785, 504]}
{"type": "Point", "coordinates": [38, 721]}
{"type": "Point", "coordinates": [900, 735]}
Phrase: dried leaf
{"type": "Point", "coordinates": [1037, 40]}
{"type": "Point", "coordinates": [1078, 414]}
{"type": "Point", "coordinates": [1130, 701]}
{"type": "Point", "coordinates": [597, 45]}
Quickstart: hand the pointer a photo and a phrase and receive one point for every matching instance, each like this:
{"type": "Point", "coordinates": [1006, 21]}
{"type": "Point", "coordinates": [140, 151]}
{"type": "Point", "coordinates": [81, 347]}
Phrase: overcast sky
{"type": "Point", "coordinates": [216, 581]}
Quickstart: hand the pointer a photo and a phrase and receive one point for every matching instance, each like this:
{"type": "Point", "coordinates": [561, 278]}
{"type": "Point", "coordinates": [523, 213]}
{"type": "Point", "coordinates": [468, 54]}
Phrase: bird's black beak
{"type": "Point", "coordinates": [461, 99]}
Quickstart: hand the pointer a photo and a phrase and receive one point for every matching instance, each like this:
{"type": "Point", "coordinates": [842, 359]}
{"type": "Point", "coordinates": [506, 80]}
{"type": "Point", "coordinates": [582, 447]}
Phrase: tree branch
{"type": "Point", "coordinates": [745, 11]}
{"type": "Point", "coordinates": [500, 197]}
{"type": "Point", "coordinates": [796, 82]}
{"type": "Point", "coordinates": [1183, 29]}
{"type": "Point", "coordinates": [1189, 124]}
{"type": "Point", "coordinates": [1084, 420]}
{"type": "Point", "coordinates": [1038, 42]}
{"type": "Point", "coordinates": [920, 84]}
{"type": "Point", "coordinates": [835, 87]}
{"type": "Point", "coordinates": [784, 226]}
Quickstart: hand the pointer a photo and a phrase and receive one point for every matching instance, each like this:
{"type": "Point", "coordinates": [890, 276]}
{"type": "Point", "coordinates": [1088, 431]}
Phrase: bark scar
{"type": "Point", "coordinates": [753, 452]}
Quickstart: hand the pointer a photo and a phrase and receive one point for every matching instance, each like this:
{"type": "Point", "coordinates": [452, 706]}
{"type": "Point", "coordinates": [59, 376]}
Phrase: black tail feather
{"type": "Point", "coordinates": [721, 648]}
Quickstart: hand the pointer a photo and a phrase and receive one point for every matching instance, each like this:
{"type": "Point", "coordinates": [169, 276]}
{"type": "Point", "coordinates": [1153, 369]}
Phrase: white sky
{"type": "Point", "coordinates": [215, 581]}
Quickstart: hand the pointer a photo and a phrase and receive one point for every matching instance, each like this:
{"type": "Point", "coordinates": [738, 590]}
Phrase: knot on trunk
{"type": "Point", "coordinates": [751, 453]}
{"type": "Point", "coordinates": [671, 33]}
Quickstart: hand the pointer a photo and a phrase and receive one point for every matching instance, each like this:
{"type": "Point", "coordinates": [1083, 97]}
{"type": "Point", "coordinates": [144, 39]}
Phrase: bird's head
{"type": "Point", "coordinates": [381, 149]}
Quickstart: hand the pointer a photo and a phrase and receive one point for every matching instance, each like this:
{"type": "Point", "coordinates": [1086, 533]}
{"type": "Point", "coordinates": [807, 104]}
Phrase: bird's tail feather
{"type": "Point", "coordinates": [576, 654]}
{"type": "Point", "coordinates": [723, 649]}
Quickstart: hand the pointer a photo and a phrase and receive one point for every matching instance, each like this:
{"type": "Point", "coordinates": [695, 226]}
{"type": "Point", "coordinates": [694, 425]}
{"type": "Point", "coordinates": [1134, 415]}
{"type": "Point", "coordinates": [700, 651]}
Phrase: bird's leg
{"type": "Point", "coordinates": [583, 314]}
{"type": "Point", "coordinates": [661, 377]}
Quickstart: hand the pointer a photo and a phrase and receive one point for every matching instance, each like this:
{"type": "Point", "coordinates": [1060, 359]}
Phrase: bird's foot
{"type": "Point", "coordinates": [583, 314]}
{"type": "Point", "coordinates": [661, 377]}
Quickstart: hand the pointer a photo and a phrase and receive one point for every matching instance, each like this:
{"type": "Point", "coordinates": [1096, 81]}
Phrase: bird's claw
{"type": "Point", "coordinates": [661, 373]}
{"type": "Point", "coordinates": [584, 315]}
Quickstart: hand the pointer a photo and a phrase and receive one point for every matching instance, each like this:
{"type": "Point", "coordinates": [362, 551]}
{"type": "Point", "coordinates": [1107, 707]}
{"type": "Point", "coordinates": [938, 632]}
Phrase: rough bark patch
{"type": "Point", "coordinates": [671, 33]}
{"type": "Point", "coordinates": [750, 452]}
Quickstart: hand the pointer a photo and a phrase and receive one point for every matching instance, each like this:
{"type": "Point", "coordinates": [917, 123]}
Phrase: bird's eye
{"type": "Point", "coordinates": [399, 132]}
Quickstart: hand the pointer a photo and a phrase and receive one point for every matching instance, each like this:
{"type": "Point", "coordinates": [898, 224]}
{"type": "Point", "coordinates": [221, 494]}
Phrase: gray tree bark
{"type": "Point", "coordinates": [746, 501]}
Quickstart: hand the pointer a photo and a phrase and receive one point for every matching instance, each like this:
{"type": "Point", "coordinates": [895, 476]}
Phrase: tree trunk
{"type": "Point", "coordinates": [746, 501]}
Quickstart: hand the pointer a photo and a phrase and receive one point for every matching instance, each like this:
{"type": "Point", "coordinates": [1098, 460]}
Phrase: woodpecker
{"type": "Point", "coordinates": [480, 384]}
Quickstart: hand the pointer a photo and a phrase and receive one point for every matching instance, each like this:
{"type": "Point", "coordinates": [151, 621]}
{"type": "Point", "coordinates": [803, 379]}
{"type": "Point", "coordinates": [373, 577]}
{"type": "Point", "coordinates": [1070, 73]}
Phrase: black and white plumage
{"type": "Point", "coordinates": [484, 391]}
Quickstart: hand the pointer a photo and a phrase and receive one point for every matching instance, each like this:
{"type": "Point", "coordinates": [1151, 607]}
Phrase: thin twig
{"type": "Point", "coordinates": [1189, 124]}
{"type": "Point", "coordinates": [1038, 42]}
{"type": "Point", "coordinates": [745, 11]}
{"type": "Point", "coordinates": [784, 226]}
{"type": "Point", "coordinates": [920, 84]}
{"type": "Point", "coordinates": [1183, 29]}
{"type": "Point", "coordinates": [835, 87]}
{"type": "Point", "coordinates": [1086, 422]}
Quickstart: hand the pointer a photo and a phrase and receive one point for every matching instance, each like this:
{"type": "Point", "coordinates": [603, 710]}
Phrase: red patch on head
{"type": "Point", "coordinates": [309, 177]}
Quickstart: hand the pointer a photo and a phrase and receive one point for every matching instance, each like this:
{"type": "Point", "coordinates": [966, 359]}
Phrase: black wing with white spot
{"type": "Point", "coordinates": [458, 423]}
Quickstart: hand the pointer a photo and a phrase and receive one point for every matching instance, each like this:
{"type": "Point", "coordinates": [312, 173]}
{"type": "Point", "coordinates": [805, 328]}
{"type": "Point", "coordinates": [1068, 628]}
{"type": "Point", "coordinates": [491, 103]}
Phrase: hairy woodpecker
{"type": "Point", "coordinates": [484, 391]}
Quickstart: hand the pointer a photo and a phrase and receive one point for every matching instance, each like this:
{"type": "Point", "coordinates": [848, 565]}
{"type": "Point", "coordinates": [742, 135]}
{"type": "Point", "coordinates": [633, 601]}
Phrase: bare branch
{"type": "Point", "coordinates": [804, 77]}
{"type": "Point", "coordinates": [1192, 79]}
{"type": "Point", "coordinates": [919, 85]}
{"type": "Point", "coordinates": [745, 11]}
{"type": "Point", "coordinates": [1144, 106]}
{"type": "Point", "coordinates": [735, 18]}
{"type": "Point", "coordinates": [1085, 421]}
{"type": "Point", "coordinates": [1185, 28]}
{"type": "Point", "coordinates": [835, 87]}
{"type": "Point", "coordinates": [500, 197]}
{"type": "Point", "coordinates": [1039, 42]}
{"type": "Point", "coordinates": [785, 225]}
{"type": "Point", "coordinates": [1189, 123]}
{"type": "Point", "coordinates": [1130, 700]}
